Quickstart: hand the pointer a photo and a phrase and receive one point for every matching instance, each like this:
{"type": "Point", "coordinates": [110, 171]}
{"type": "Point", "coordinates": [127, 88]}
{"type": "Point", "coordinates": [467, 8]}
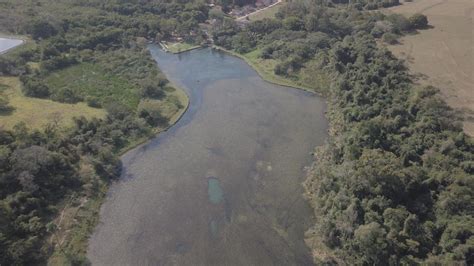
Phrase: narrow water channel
{"type": "Point", "coordinates": [222, 186]}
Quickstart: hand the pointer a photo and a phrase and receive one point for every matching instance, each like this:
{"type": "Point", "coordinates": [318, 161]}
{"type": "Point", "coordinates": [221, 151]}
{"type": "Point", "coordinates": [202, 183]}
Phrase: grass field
{"type": "Point", "coordinates": [443, 56]}
{"type": "Point", "coordinates": [35, 112]}
{"type": "Point", "coordinates": [89, 79]}
{"type": "Point", "coordinates": [267, 13]}
{"type": "Point", "coordinates": [179, 47]}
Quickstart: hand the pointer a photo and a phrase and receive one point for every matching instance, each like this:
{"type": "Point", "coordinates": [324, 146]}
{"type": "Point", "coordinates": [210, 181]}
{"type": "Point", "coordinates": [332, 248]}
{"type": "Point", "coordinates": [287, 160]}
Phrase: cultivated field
{"type": "Point", "coordinates": [443, 55]}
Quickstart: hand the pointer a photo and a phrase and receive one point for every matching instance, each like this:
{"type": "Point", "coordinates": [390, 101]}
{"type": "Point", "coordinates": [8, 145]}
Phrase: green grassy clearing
{"type": "Point", "coordinates": [87, 79]}
{"type": "Point", "coordinates": [179, 47]}
{"type": "Point", "coordinates": [267, 13]}
{"type": "Point", "coordinates": [36, 113]}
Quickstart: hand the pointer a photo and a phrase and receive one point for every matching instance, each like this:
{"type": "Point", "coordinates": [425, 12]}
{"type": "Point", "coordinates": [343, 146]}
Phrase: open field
{"type": "Point", "coordinates": [88, 79]}
{"type": "Point", "coordinates": [443, 56]}
{"type": "Point", "coordinates": [266, 12]}
{"type": "Point", "coordinates": [38, 112]}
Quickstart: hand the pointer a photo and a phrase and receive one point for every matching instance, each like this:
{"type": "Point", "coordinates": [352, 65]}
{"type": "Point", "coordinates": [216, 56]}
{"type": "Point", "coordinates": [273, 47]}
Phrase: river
{"type": "Point", "coordinates": [7, 44]}
{"type": "Point", "coordinates": [223, 185]}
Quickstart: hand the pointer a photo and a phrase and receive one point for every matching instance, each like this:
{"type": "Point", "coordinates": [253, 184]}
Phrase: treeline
{"type": "Point", "coordinates": [395, 182]}
{"type": "Point", "coordinates": [367, 4]}
{"type": "Point", "coordinates": [98, 22]}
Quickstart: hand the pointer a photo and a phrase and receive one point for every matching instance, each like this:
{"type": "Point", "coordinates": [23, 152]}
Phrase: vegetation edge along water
{"type": "Point", "coordinates": [394, 184]}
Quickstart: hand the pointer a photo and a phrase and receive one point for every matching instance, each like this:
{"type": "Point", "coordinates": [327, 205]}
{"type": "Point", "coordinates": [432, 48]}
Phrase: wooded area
{"type": "Point", "coordinates": [395, 182]}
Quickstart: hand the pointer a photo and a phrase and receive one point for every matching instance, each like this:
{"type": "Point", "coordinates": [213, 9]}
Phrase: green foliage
{"type": "Point", "coordinates": [40, 29]}
{"type": "Point", "coordinates": [34, 87]}
{"type": "Point", "coordinates": [400, 161]}
{"type": "Point", "coordinates": [418, 21]}
{"type": "Point", "coordinates": [394, 185]}
{"type": "Point", "coordinates": [390, 38]}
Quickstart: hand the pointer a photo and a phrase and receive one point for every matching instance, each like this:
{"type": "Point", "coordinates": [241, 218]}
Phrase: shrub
{"type": "Point", "coordinates": [150, 111]}
{"type": "Point", "coordinates": [66, 95]}
{"type": "Point", "coordinates": [390, 38]}
{"type": "Point", "coordinates": [93, 102]}
{"type": "Point", "coordinates": [32, 87]}
{"type": "Point", "coordinates": [418, 21]}
{"type": "Point", "coordinates": [152, 91]}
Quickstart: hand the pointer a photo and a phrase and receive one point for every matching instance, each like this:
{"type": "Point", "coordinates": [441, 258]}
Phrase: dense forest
{"type": "Point", "coordinates": [41, 169]}
{"type": "Point", "coordinates": [394, 184]}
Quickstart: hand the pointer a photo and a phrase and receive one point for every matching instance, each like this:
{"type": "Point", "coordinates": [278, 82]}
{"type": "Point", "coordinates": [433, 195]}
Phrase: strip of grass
{"type": "Point", "coordinates": [267, 13]}
{"type": "Point", "coordinates": [36, 113]}
{"type": "Point", "coordinates": [88, 79]}
{"type": "Point", "coordinates": [180, 47]}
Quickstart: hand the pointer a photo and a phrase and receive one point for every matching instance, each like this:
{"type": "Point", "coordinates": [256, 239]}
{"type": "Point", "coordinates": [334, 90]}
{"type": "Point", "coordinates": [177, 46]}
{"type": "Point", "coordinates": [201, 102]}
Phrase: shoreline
{"type": "Point", "coordinates": [173, 121]}
{"type": "Point", "coordinates": [268, 77]}
{"type": "Point", "coordinates": [93, 205]}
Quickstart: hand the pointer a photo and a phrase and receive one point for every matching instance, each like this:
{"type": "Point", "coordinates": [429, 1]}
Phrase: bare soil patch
{"type": "Point", "coordinates": [443, 56]}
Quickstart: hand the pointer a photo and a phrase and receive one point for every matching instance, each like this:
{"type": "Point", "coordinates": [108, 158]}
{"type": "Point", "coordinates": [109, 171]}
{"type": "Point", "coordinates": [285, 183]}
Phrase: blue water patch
{"type": "Point", "coordinates": [214, 190]}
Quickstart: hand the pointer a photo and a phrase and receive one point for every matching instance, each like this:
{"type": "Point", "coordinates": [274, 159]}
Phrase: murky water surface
{"type": "Point", "coordinates": [223, 186]}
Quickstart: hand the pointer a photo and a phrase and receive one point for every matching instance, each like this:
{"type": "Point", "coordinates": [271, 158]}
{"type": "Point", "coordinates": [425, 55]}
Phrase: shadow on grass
{"type": "Point", "coordinates": [5, 111]}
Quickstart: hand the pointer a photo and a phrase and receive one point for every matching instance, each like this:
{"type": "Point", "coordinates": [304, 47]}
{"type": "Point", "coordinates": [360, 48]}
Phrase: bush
{"type": "Point", "coordinates": [399, 23]}
{"type": "Point", "coordinates": [40, 29]}
{"type": "Point", "coordinates": [418, 21]}
{"type": "Point", "coordinates": [390, 38]}
{"type": "Point", "coordinates": [93, 102]}
{"type": "Point", "coordinates": [66, 95]}
{"type": "Point", "coordinates": [293, 23]}
{"type": "Point", "coordinates": [33, 87]}
{"type": "Point", "coordinates": [4, 104]}
{"type": "Point", "coordinates": [151, 112]}
{"type": "Point", "coordinates": [152, 91]}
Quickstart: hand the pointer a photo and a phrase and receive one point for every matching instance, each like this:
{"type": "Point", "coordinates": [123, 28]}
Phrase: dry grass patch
{"type": "Point", "coordinates": [443, 56]}
{"type": "Point", "coordinates": [36, 113]}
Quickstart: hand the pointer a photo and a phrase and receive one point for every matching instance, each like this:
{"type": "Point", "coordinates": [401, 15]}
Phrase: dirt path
{"type": "Point", "coordinates": [258, 11]}
{"type": "Point", "coordinates": [444, 55]}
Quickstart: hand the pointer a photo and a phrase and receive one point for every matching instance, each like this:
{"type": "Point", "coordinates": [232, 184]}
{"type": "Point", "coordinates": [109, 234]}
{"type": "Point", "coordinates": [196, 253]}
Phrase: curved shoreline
{"type": "Point", "coordinates": [173, 121]}
{"type": "Point", "coordinates": [149, 150]}
{"type": "Point", "coordinates": [267, 77]}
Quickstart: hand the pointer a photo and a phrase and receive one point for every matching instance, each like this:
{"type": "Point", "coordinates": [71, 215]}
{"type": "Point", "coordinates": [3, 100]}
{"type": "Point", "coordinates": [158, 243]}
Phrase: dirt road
{"type": "Point", "coordinates": [444, 55]}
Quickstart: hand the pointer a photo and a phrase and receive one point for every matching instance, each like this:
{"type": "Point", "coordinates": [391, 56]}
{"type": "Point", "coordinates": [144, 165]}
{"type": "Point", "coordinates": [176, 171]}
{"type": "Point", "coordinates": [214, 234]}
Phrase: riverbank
{"type": "Point", "coordinates": [264, 69]}
{"type": "Point", "coordinates": [171, 175]}
{"type": "Point", "coordinates": [79, 216]}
